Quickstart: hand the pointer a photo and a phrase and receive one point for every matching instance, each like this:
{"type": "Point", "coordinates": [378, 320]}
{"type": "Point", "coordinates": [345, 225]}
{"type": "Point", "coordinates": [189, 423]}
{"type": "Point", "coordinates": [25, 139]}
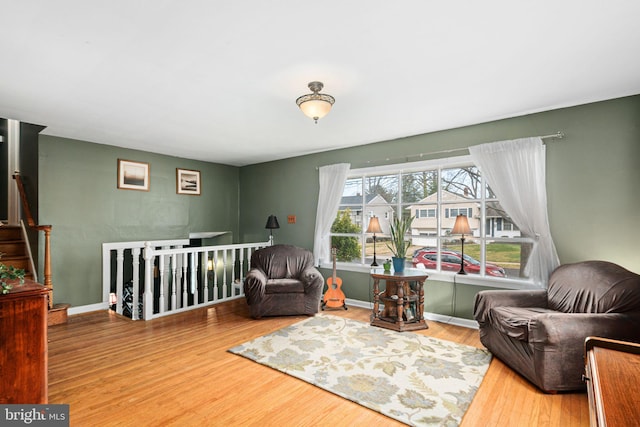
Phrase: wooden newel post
{"type": "Point", "coordinates": [47, 263]}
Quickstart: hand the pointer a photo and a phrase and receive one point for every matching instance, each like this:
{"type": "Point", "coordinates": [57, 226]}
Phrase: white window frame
{"type": "Point", "coordinates": [438, 164]}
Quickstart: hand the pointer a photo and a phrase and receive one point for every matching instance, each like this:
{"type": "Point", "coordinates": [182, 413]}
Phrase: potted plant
{"type": "Point", "coordinates": [9, 273]}
{"type": "Point", "coordinates": [398, 245]}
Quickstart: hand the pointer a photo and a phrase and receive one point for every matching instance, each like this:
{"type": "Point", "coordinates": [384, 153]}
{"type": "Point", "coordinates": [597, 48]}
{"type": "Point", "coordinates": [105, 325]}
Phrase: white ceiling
{"type": "Point", "coordinates": [217, 80]}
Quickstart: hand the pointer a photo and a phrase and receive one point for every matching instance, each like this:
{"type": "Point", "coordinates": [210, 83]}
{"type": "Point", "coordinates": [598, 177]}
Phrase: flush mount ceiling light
{"type": "Point", "coordinates": [315, 105]}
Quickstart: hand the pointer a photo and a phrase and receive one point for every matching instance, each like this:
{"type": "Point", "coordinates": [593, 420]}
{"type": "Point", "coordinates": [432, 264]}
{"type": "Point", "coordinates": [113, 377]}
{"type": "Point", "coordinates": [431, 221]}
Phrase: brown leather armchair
{"type": "Point", "coordinates": [541, 333]}
{"type": "Point", "coordinates": [283, 281]}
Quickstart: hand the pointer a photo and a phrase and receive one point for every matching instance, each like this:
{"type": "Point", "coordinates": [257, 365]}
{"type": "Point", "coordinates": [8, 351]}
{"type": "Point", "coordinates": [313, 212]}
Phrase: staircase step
{"type": "Point", "coordinates": [21, 262]}
{"type": "Point", "coordinates": [12, 248]}
{"type": "Point", "coordinates": [10, 232]}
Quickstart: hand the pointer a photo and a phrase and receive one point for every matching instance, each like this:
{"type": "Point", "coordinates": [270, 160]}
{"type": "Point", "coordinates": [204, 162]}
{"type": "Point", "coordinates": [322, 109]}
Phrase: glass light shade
{"type": "Point", "coordinates": [315, 108]}
{"type": "Point", "coordinates": [315, 105]}
{"type": "Point", "coordinates": [461, 226]}
{"type": "Point", "coordinates": [374, 225]}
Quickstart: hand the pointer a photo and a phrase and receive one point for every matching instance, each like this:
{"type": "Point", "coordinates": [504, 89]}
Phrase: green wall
{"type": "Point", "coordinates": [79, 197]}
{"type": "Point", "coordinates": [592, 181]}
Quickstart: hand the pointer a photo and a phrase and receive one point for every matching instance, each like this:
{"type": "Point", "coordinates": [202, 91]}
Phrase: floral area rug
{"type": "Point", "coordinates": [412, 378]}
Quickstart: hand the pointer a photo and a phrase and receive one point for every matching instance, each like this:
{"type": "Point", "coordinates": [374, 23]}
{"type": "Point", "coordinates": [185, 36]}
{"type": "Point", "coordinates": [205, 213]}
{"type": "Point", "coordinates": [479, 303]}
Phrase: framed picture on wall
{"type": "Point", "coordinates": [188, 182]}
{"type": "Point", "coordinates": [133, 175]}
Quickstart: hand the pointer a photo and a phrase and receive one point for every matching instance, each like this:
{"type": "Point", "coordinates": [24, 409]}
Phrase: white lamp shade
{"type": "Point", "coordinates": [461, 226]}
{"type": "Point", "coordinates": [374, 225]}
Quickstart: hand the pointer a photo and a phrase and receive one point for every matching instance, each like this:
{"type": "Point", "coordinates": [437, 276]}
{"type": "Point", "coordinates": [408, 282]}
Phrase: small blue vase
{"type": "Point", "coordinates": [398, 264]}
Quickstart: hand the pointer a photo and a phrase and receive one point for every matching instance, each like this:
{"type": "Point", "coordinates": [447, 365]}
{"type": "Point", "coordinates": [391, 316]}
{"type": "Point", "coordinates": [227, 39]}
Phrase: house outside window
{"type": "Point", "coordinates": [434, 193]}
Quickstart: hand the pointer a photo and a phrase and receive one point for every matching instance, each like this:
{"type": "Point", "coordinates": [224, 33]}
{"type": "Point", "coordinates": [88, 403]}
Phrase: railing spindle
{"type": "Point", "coordinates": [119, 279]}
{"type": "Point", "coordinates": [135, 253]}
{"type": "Point", "coordinates": [148, 280]}
{"type": "Point", "coordinates": [194, 278]}
{"type": "Point", "coordinates": [183, 280]}
{"type": "Point", "coordinates": [162, 270]}
{"type": "Point", "coordinates": [173, 281]}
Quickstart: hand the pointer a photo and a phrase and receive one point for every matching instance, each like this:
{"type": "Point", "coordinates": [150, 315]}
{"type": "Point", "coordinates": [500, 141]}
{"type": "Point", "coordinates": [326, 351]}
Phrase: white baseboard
{"type": "Point", "coordinates": [88, 308]}
{"type": "Point", "coordinates": [457, 321]}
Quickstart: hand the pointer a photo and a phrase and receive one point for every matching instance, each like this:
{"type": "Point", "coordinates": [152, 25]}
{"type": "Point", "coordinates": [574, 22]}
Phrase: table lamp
{"type": "Point", "coordinates": [374, 227]}
{"type": "Point", "coordinates": [461, 227]}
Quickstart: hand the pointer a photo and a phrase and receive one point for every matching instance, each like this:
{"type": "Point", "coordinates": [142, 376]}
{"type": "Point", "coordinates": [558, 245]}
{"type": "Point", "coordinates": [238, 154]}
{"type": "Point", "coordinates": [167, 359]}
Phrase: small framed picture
{"type": "Point", "coordinates": [133, 175]}
{"type": "Point", "coordinates": [188, 182]}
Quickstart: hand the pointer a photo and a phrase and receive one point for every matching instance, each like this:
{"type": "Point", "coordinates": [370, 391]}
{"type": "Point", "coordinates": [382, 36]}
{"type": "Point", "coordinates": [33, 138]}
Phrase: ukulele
{"type": "Point", "coordinates": [334, 297]}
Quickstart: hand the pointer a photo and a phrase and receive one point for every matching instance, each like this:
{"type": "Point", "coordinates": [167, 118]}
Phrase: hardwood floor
{"type": "Point", "coordinates": [176, 371]}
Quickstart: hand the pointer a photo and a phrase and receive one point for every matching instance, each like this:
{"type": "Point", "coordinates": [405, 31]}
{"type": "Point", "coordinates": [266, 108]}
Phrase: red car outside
{"type": "Point", "coordinates": [450, 261]}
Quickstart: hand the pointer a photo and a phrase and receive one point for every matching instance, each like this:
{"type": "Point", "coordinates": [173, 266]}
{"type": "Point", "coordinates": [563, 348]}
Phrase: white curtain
{"type": "Point", "coordinates": [515, 171]}
{"type": "Point", "coordinates": [332, 179]}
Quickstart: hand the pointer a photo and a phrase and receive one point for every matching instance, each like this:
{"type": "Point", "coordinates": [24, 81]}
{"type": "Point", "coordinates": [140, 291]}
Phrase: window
{"type": "Point", "coordinates": [434, 193]}
{"type": "Point", "coordinates": [454, 212]}
{"type": "Point", "coordinates": [425, 213]}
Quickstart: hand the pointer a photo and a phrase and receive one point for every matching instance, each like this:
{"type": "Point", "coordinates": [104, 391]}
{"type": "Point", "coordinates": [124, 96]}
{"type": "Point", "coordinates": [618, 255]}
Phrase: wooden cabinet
{"type": "Point", "coordinates": [23, 344]}
{"type": "Point", "coordinates": [403, 304]}
{"type": "Point", "coordinates": [612, 374]}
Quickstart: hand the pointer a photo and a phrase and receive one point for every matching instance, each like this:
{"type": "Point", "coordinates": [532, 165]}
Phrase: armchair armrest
{"type": "Point", "coordinates": [569, 330]}
{"type": "Point", "coordinates": [486, 300]}
{"type": "Point", "coordinates": [557, 340]}
{"type": "Point", "coordinates": [254, 285]}
{"type": "Point", "coordinates": [311, 278]}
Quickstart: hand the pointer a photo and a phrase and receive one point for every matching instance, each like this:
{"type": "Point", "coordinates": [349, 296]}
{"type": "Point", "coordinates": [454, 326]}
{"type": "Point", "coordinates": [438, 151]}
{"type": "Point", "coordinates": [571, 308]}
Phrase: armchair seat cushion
{"type": "Point", "coordinates": [284, 286]}
{"type": "Point", "coordinates": [514, 321]}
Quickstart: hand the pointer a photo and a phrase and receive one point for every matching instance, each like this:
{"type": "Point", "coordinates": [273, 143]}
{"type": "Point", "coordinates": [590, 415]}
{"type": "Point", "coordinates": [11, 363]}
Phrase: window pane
{"type": "Point", "coordinates": [420, 187]}
{"type": "Point", "coordinates": [351, 205]}
{"type": "Point", "coordinates": [462, 182]}
{"type": "Point", "coordinates": [348, 248]}
{"type": "Point", "coordinates": [452, 253]}
{"type": "Point", "coordinates": [490, 194]}
{"type": "Point", "coordinates": [498, 222]}
{"type": "Point", "coordinates": [470, 209]}
{"type": "Point", "coordinates": [348, 220]}
{"type": "Point", "coordinates": [507, 257]}
{"type": "Point", "coordinates": [352, 187]}
{"type": "Point", "coordinates": [424, 228]}
{"type": "Point", "coordinates": [381, 190]}
{"type": "Point", "coordinates": [382, 250]}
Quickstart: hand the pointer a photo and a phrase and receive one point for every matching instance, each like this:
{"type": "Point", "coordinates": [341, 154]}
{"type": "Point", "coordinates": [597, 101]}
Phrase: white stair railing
{"type": "Point", "coordinates": [175, 278]}
{"type": "Point", "coordinates": [127, 258]}
{"type": "Point", "coordinates": [196, 276]}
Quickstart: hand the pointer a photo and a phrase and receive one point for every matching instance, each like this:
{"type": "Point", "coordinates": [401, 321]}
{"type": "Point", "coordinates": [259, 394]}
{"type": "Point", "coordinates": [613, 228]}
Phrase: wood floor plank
{"type": "Point", "coordinates": [176, 371]}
